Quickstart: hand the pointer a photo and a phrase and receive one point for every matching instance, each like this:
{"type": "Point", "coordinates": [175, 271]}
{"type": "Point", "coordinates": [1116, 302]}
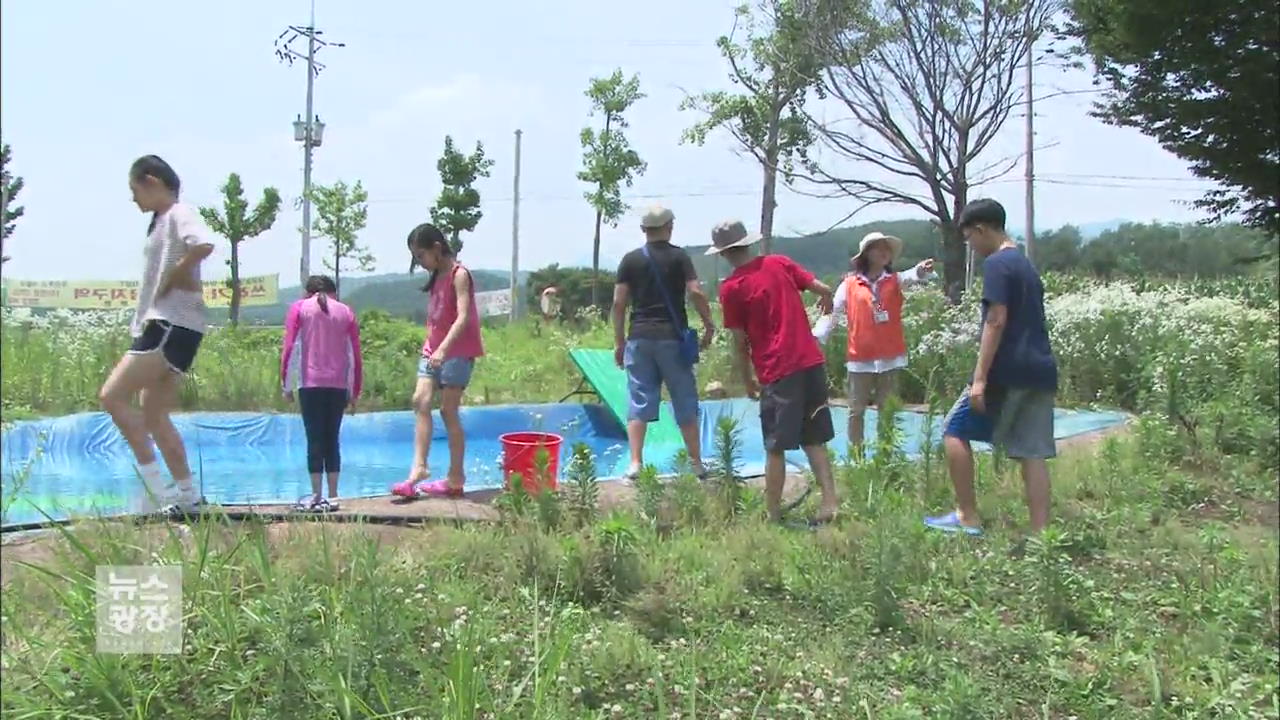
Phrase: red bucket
{"type": "Point", "coordinates": [519, 455]}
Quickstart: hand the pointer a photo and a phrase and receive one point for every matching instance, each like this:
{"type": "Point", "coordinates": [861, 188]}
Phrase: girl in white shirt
{"type": "Point", "coordinates": [167, 328]}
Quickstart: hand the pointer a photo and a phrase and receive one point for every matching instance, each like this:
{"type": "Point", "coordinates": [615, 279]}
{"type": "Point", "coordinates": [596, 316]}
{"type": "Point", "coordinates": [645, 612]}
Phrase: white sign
{"type": "Point", "coordinates": [139, 609]}
{"type": "Point", "coordinates": [494, 302]}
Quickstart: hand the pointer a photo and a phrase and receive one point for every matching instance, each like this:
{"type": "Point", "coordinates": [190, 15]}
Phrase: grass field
{"type": "Point", "coordinates": [1155, 594]}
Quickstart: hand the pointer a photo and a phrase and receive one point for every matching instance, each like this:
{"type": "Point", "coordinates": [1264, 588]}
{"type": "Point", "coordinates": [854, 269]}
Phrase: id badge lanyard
{"type": "Point", "coordinates": [878, 313]}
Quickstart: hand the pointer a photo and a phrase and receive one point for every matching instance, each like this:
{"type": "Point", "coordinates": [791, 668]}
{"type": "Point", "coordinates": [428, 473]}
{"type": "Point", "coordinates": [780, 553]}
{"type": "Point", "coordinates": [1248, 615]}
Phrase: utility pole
{"type": "Point", "coordinates": [1031, 159]}
{"type": "Point", "coordinates": [309, 131]}
{"type": "Point", "coordinates": [515, 234]}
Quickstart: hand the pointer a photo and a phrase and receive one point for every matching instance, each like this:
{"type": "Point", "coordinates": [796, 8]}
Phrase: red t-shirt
{"type": "Point", "coordinates": [762, 298]}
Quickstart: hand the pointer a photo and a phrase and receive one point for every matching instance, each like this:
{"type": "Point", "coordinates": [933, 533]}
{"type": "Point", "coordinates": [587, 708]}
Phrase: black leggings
{"type": "Point", "coordinates": [322, 410]}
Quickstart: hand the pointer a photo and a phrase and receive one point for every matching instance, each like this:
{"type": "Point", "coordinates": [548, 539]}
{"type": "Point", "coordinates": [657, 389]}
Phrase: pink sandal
{"type": "Point", "coordinates": [405, 489]}
{"type": "Point", "coordinates": [437, 489]}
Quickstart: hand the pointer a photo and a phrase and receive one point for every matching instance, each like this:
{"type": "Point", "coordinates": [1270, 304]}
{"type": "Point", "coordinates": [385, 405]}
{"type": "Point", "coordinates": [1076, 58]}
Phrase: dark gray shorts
{"type": "Point", "coordinates": [794, 411]}
{"type": "Point", "coordinates": [1019, 421]}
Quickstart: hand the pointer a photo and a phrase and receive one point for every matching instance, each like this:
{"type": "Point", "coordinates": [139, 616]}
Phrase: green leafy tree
{"type": "Point", "coordinates": [927, 86]}
{"type": "Point", "coordinates": [1201, 79]}
{"type": "Point", "coordinates": [11, 187]}
{"type": "Point", "coordinates": [574, 285]}
{"type": "Point", "coordinates": [237, 224]}
{"type": "Point", "coordinates": [775, 67]}
{"type": "Point", "coordinates": [457, 210]}
{"type": "Point", "coordinates": [608, 161]}
{"type": "Point", "coordinates": [1059, 251]}
{"type": "Point", "coordinates": [342, 211]}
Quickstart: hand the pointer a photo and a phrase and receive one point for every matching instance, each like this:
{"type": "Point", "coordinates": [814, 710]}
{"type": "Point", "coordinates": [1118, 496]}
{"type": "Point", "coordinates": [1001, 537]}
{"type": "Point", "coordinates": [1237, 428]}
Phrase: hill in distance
{"type": "Point", "coordinates": [399, 294]}
{"type": "Point", "coordinates": [826, 254]}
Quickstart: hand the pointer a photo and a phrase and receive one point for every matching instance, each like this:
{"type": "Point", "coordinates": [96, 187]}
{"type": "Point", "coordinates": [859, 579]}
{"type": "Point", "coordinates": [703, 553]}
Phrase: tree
{"type": "Point", "coordinates": [1201, 79]}
{"type": "Point", "coordinates": [573, 283]}
{"type": "Point", "coordinates": [341, 212]}
{"type": "Point", "coordinates": [236, 224]}
{"type": "Point", "coordinates": [10, 186]}
{"type": "Point", "coordinates": [775, 67]}
{"type": "Point", "coordinates": [1059, 250]}
{"type": "Point", "coordinates": [457, 210]}
{"type": "Point", "coordinates": [607, 158]}
{"type": "Point", "coordinates": [928, 86]}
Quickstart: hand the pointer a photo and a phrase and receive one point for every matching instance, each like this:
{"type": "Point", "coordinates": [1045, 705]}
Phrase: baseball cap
{"type": "Point", "coordinates": [656, 217]}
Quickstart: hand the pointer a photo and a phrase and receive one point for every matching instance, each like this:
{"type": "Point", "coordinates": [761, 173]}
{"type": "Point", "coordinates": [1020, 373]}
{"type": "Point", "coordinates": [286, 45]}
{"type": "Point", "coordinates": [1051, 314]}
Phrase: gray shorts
{"type": "Point", "coordinates": [1018, 421]}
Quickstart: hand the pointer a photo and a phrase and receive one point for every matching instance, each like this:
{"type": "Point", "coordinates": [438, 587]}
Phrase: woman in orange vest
{"type": "Point", "coordinates": [872, 297]}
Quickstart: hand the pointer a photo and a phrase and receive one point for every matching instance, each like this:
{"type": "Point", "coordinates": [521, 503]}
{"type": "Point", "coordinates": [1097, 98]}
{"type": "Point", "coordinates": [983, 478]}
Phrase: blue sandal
{"type": "Point", "coordinates": [951, 523]}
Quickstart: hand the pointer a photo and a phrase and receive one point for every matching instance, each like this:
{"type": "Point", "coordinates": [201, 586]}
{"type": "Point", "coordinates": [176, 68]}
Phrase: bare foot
{"type": "Point", "coordinates": [825, 515]}
{"type": "Point", "coordinates": [456, 482]}
{"type": "Point", "coordinates": [418, 474]}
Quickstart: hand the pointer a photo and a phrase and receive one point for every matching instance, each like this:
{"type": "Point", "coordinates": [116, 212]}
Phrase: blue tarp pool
{"type": "Point", "coordinates": [79, 464]}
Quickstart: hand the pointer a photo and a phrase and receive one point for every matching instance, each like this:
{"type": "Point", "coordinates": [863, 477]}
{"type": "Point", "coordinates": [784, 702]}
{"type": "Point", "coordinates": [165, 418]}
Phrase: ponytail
{"type": "Point", "coordinates": [321, 286]}
{"type": "Point", "coordinates": [425, 237]}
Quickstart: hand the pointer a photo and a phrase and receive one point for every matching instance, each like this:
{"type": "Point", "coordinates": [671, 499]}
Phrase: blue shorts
{"type": "Point", "coordinates": [452, 373]}
{"type": "Point", "coordinates": [1019, 421]}
{"type": "Point", "coordinates": [650, 364]}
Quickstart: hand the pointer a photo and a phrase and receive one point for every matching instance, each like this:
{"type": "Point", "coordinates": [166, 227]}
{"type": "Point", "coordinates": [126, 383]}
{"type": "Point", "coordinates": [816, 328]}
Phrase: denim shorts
{"type": "Point", "coordinates": [453, 372]}
{"type": "Point", "coordinates": [1018, 421]}
{"type": "Point", "coordinates": [650, 364]}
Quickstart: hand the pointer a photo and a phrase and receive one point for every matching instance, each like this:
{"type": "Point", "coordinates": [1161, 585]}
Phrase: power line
{"type": "Point", "coordinates": [1117, 186]}
{"type": "Point", "coordinates": [1131, 177]}
{"type": "Point", "coordinates": [544, 198]}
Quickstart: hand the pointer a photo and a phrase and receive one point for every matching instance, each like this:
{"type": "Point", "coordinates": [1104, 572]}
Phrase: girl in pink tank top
{"type": "Point", "coordinates": [448, 357]}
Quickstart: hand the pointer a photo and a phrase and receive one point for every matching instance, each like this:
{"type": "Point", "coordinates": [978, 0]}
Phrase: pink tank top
{"type": "Point", "coordinates": [442, 311]}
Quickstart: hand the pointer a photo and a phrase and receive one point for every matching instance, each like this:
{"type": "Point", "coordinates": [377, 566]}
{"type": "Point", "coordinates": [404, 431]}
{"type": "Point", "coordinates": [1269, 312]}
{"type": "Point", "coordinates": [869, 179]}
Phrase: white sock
{"type": "Point", "coordinates": [150, 472]}
{"type": "Point", "coordinates": [185, 490]}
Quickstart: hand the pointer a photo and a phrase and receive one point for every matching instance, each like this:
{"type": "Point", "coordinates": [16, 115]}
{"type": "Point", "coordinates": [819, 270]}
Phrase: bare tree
{"type": "Point", "coordinates": [928, 84]}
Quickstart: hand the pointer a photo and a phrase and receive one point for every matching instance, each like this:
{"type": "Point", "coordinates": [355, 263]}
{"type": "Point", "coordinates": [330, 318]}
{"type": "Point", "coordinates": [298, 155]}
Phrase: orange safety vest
{"type": "Point", "coordinates": [868, 339]}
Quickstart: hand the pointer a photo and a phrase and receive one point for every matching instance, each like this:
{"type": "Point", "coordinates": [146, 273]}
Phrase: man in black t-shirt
{"type": "Point", "coordinates": [654, 280]}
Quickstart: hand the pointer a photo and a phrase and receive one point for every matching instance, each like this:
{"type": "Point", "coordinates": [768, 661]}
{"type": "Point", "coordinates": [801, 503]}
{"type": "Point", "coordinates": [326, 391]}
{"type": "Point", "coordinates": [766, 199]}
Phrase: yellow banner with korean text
{"type": "Point", "coordinates": [113, 295]}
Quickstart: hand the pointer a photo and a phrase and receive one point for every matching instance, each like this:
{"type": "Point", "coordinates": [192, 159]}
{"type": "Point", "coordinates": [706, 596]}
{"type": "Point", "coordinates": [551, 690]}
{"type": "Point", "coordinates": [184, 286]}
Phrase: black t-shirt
{"type": "Point", "coordinates": [650, 318]}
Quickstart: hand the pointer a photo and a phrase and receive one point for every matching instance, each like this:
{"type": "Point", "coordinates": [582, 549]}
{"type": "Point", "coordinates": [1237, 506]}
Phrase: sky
{"type": "Point", "coordinates": [86, 86]}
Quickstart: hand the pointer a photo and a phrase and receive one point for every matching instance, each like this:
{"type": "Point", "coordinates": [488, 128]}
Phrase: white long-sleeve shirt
{"type": "Point", "coordinates": [825, 324]}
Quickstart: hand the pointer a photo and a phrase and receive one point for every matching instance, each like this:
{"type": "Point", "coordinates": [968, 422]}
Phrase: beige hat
{"type": "Point", "coordinates": [656, 217]}
{"type": "Point", "coordinates": [895, 244]}
{"type": "Point", "coordinates": [731, 234]}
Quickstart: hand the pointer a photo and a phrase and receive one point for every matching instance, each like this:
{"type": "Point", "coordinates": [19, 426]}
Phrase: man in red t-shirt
{"type": "Point", "coordinates": [762, 308]}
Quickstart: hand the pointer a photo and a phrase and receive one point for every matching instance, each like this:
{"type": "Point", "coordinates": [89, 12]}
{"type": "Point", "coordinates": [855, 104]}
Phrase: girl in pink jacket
{"type": "Point", "coordinates": [321, 357]}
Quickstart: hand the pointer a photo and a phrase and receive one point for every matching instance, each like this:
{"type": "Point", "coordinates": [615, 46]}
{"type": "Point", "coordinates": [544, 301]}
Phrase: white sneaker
{"type": "Point", "coordinates": [182, 501]}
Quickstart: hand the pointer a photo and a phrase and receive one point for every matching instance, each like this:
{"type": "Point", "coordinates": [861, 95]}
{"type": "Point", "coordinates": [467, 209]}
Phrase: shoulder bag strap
{"type": "Point", "coordinates": [662, 287]}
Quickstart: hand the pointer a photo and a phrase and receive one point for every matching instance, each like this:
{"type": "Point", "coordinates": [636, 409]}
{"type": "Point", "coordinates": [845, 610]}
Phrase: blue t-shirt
{"type": "Point", "coordinates": [1024, 358]}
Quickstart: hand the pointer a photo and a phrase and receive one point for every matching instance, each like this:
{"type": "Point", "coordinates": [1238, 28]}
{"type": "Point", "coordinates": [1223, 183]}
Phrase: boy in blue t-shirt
{"type": "Point", "coordinates": [1010, 401]}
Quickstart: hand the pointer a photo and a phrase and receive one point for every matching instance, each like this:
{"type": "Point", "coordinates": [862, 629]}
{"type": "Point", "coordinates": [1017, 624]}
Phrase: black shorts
{"type": "Point", "coordinates": [177, 344]}
{"type": "Point", "coordinates": [794, 412]}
